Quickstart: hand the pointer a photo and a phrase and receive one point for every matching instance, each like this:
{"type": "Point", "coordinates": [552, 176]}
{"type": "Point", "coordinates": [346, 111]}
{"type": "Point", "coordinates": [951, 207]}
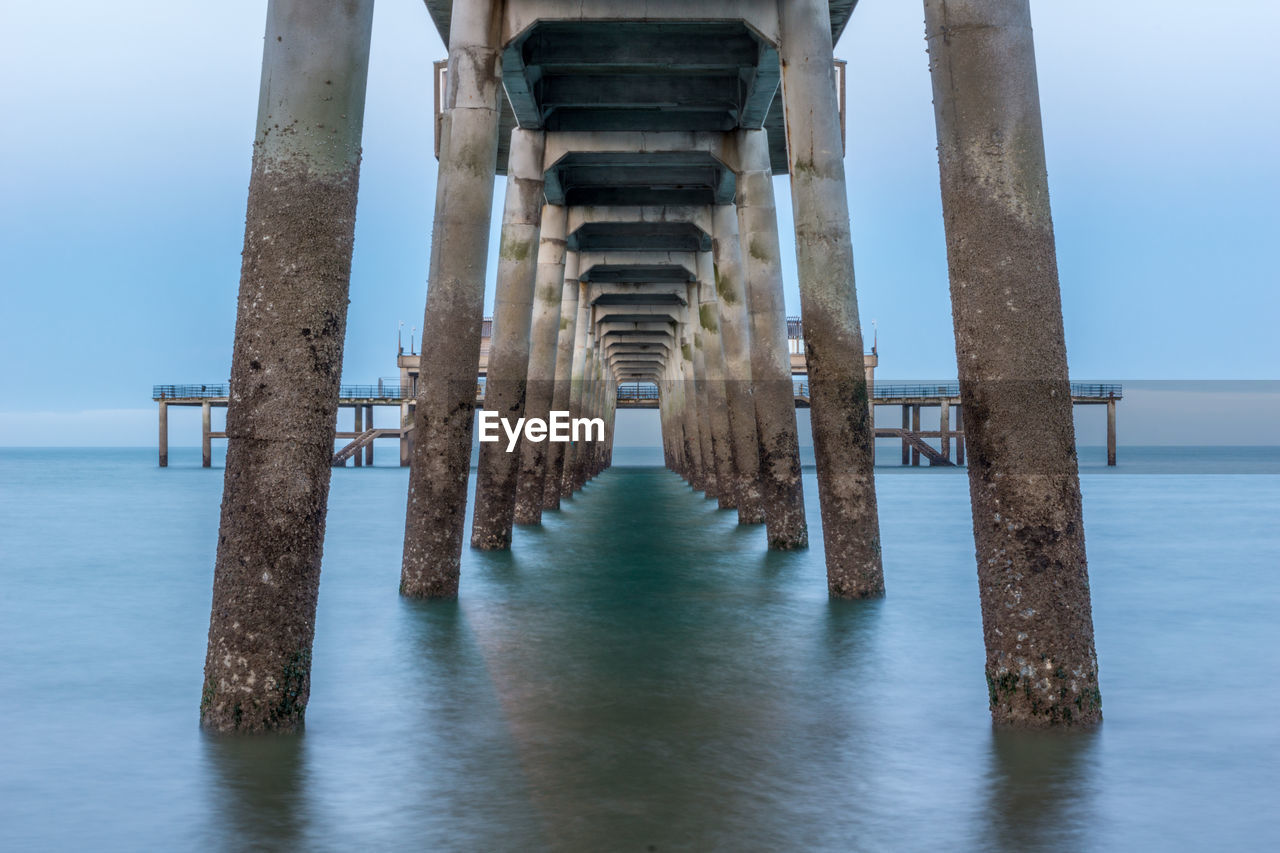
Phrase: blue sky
{"type": "Point", "coordinates": [126, 160]}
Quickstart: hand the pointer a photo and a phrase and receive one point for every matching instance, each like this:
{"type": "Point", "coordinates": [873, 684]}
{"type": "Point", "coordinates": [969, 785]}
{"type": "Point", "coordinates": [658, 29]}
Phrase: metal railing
{"type": "Point", "coordinates": [382, 391]}
{"type": "Point", "coordinates": [635, 391]}
{"type": "Point", "coordinates": [631, 391]}
{"type": "Point", "coordinates": [1087, 390]}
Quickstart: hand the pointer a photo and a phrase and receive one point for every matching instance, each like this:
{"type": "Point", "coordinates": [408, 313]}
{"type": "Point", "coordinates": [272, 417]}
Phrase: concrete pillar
{"type": "Point", "coordinates": [582, 450]}
{"type": "Point", "coordinates": [959, 434]}
{"type": "Point", "coordinates": [357, 425]}
{"type": "Point", "coordinates": [553, 486]}
{"type": "Point", "coordinates": [664, 428]}
{"type": "Point", "coordinates": [705, 440]}
{"type": "Point", "coordinates": [840, 411]}
{"type": "Point", "coordinates": [915, 427]}
{"type": "Point", "coordinates": [507, 381]}
{"type": "Point", "coordinates": [717, 394]}
{"type": "Point", "coordinates": [206, 443]}
{"type": "Point", "coordinates": [675, 396]}
{"type": "Point", "coordinates": [689, 395]}
{"type": "Point", "coordinates": [164, 434]}
{"type": "Point", "coordinates": [602, 412]}
{"type": "Point", "coordinates": [906, 445]}
{"type": "Point", "coordinates": [544, 328]}
{"type": "Point", "coordinates": [944, 426]}
{"type": "Point", "coordinates": [770, 358]}
{"type": "Point", "coordinates": [441, 455]}
{"type": "Point", "coordinates": [577, 377]}
{"type": "Point", "coordinates": [368, 424]}
{"type": "Point", "coordinates": [290, 325]}
{"type": "Point", "coordinates": [1042, 669]}
{"type": "Point", "coordinates": [735, 339]}
{"type": "Point", "coordinates": [404, 435]}
{"type": "Point", "coordinates": [1111, 431]}
{"type": "Point", "coordinates": [668, 411]}
{"type": "Point", "coordinates": [611, 417]}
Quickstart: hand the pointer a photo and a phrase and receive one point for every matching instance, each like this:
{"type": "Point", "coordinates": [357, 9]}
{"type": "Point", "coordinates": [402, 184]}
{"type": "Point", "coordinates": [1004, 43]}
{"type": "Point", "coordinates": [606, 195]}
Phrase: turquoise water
{"type": "Point", "coordinates": [638, 674]}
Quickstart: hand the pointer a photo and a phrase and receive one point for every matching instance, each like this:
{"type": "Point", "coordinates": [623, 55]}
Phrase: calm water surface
{"type": "Point", "coordinates": [638, 674]}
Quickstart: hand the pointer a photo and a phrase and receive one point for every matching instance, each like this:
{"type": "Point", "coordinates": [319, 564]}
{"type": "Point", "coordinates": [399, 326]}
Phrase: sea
{"type": "Point", "coordinates": [638, 674]}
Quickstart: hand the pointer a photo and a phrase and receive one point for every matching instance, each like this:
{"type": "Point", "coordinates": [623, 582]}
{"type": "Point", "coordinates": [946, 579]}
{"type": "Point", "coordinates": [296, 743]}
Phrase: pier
{"type": "Point", "coordinates": [361, 400]}
{"type": "Point", "coordinates": [640, 243]}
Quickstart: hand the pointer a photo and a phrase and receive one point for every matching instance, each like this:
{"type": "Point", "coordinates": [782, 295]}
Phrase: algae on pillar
{"type": "Point", "coordinates": [735, 337]}
{"type": "Point", "coordinates": [840, 412]}
{"type": "Point", "coordinates": [441, 452]}
{"type": "Point", "coordinates": [543, 333]}
{"type": "Point", "coordinates": [507, 376]}
{"type": "Point", "coordinates": [1033, 579]}
{"type": "Point", "coordinates": [290, 324]}
{"type": "Point", "coordinates": [776, 431]}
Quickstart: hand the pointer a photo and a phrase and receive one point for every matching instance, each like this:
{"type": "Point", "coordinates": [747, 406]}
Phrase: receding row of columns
{"type": "Point", "coordinates": [725, 382]}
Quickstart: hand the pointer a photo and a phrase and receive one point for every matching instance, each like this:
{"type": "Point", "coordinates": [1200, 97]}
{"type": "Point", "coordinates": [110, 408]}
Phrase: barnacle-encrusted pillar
{"type": "Point", "coordinates": [566, 342]}
{"type": "Point", "coordinates": [290, 323]}
{"type": "Point", "coordinates": [770, 359]}
{"type": "Point", "coordinates": [508, 371]}
{"type": "Point", "coordinates": [543, 333]}
{"type": "Point", "coordinates": [735, 338]}
{"type": "Point", "coordinates": [441, 454]}
{"type": "Point", "coordinates": [1023, 480]}
{"type": "Point", "coordinates": [840, 413]}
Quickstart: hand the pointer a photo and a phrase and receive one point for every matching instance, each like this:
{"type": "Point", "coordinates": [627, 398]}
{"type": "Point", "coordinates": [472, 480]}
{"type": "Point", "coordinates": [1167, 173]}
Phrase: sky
{"type": "Point", "coordinates": [126, 155]}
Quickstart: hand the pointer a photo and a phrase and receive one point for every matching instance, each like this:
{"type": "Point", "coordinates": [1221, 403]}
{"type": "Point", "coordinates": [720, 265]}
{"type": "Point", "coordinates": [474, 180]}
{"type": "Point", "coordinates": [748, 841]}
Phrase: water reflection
{"type": "Point", "coordinates": [1040, 792]}
{"type": "Point", "coordinates": [258, 790]}
{"type": "Point", "coordinates": [633, 680]}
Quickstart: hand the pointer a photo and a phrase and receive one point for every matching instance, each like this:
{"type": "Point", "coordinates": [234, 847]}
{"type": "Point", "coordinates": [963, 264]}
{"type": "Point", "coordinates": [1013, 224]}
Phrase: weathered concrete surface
{"type": "Point", "coordinates": [285, 367]}
{"type": "Point", "coordinates": [543, 334]}
{"type": "Point", "coordinates": [1042, 669]}
{"type": "Point", "coordinates": [440, 456]}
{"type": "Point", "coordinates": [735, 338]}
{"type": "Point", "coordinates": [581, 457]}
{"type": "Point", "coordinates": [840, 413]}
{"type": "Point", "coordinates": [566, 341]}
{"type": "Point", "coordinates": [673, 409]}
{"type": "Point", "coordinates": [717, 396]}
{"type": "Point", "coordinates": [689, 396]}
{"type": "Point", "coordinates": [705, 441]}
{"type": "Point", "coordinates": [506, 381]}
{"type": "Point", "coordinates": [770, 359]}
{"type": "Point", "coordinates": [577, 384]}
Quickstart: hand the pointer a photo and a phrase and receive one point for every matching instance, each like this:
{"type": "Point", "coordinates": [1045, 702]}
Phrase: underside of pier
{"type": "Point", "coordinates": [640, 245]}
